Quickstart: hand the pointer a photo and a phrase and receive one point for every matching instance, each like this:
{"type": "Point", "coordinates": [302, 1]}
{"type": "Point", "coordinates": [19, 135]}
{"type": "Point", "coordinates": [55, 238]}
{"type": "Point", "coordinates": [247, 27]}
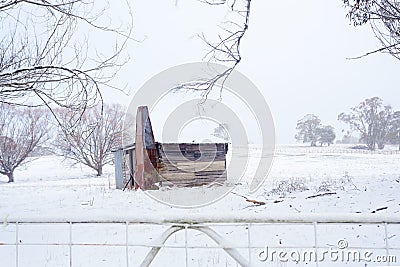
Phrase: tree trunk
{"type": "Point", "coordinates": [381, 145]}
{"type": "Point", "coordinates": [100, 171]}
{"type": "Point", "coordinates": [371, 145]}
{"type": "Point", "coordinates": [10, 177]}
{"type": "Point", "coordinates": [313, 143]}
{"type": "Point", "coordinates": [399, 139]}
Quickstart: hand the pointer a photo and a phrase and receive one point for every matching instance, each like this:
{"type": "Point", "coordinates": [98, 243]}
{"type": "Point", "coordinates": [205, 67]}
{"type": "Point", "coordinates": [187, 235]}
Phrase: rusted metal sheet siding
{"type": "Point", "coordinates": [145, 151]}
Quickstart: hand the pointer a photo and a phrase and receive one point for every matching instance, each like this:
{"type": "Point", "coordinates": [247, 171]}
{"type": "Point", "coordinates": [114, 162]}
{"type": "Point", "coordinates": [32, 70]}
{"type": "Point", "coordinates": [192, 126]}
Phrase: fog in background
{"type": "Point", "coordinates": [294, 51]}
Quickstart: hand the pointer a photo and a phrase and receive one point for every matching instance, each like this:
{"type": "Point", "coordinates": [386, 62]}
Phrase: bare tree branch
{"type": "Point", "coordinates": [384, 19]}
{"type": "Point", "coordinates": [45, 58]}
{"type": "Point", "coordinates": [226, 49]}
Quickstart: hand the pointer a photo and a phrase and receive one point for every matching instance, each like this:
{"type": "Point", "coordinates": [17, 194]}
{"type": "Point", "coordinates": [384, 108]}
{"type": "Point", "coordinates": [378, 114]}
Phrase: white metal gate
{"type": "Point", "coordinates": [246, 243]}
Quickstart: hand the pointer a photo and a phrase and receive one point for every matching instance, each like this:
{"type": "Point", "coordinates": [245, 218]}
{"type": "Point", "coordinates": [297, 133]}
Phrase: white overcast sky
{"type": "Point", "coordinates": [295, 52]}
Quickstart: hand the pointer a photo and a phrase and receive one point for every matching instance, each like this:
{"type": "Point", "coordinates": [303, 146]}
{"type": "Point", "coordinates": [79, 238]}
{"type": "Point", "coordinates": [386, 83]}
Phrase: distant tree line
{"type": "Point", "coordinates": [376, 123]}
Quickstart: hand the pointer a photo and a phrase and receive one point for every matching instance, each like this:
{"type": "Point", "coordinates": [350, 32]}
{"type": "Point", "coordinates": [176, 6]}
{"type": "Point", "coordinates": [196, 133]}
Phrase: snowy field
{"type": "Point", "coordinates": [302, 180]}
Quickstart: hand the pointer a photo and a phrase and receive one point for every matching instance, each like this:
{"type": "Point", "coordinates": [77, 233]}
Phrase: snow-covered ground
{"type": "Point", "coordinates": [356, 183]}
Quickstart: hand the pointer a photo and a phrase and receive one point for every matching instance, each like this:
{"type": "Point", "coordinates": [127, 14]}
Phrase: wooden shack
{"type": "Point", "coordinates": [148, 164]}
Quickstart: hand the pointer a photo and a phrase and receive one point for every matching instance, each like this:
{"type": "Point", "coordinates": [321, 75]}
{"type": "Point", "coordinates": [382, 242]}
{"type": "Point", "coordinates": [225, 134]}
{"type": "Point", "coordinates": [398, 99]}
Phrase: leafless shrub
{"type": "Point", "coordinates": [284, 187]}
{"type": "Point", "coordinates": [341, 183]}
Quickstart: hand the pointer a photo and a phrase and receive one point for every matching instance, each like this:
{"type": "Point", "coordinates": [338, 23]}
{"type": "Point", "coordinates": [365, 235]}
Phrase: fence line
{"type": "Point", "coordinates": [327, 150]}
{"type": "Point", "coordinates": [334, 149]}
{"type": "Point", "coordinates": [201, 223]}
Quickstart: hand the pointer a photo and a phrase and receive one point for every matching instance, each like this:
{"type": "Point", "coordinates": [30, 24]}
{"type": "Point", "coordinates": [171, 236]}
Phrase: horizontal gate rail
{"type": "Point", "coordinates": [197, 222]}
{"type": "Point", "coordinates": [194, 218]}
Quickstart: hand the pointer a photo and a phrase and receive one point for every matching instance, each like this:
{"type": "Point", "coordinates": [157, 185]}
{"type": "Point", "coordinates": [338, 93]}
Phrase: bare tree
{"type": "Point", "coordinates": [93, 139]}
{"type": "Point", "coordinates": [384, 19]}
{"type": "Point", "coordinates": [371, 119]}
{"type": "Point", "coordinates": [225, 49]}
{"type": "Point", "coordinates": [45, 58]}
{"type": "Point", "coordinates": [22, 131]}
